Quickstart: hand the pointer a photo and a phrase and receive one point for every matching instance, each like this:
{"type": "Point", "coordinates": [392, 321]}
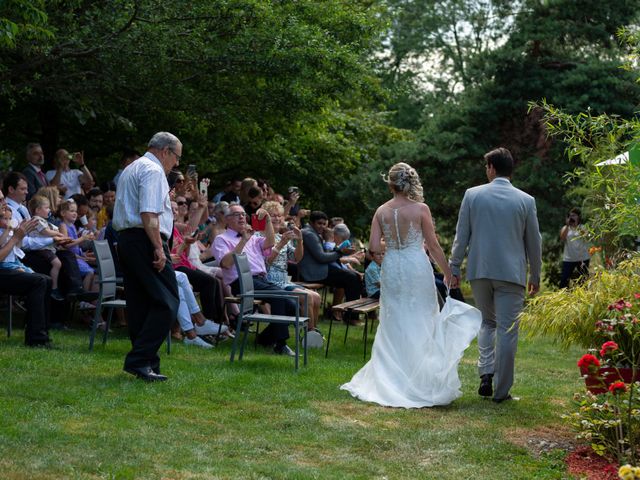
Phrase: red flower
{"type": "Point", "coordinates": [637, 295]}
{"type": "Point", "coordinates": [608, 347]}
{"type": "Point", "coordinates": [617, 387]}
{"type": "Point", "coordinates": [587, 360]}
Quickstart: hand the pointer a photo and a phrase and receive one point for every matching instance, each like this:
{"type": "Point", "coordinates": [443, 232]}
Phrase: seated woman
{"type": "Point", "coordinates": [202, 282]}
{"type": "Point", "coordinates": [192, 321]}
{"type": "Point", "coordinates": [289, 245]}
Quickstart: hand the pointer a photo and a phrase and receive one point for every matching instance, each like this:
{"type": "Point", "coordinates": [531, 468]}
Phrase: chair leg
{"type": "Point", "coordinates": [94, 325]}
{"type": "Point", "coordinates": [107, 325]}
{"type": "Point", "coordinates": [169, 342]}
{"type": "Point", "coordinates": [245, 336]}
{"type": "Point", "coordinates": [297, 329]}
{"type": "Point", "coordinates": [366, 324]}
{"type": "Point", "coordinates": [326, 353]}
{"type": "Point", "coordinates": [10, 324]}
{"type": "Point", "coordinates": [236, 338]}
{"type": "Point", "coordinates": [306, 331]}
{"type": "Point", "coordinates": [346, 332]}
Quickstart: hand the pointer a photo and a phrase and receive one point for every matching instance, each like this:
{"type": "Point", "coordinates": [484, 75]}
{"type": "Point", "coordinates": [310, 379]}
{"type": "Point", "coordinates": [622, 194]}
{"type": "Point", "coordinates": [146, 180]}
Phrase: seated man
{"type": "Point", "coordinates": [21, 281]}
{"type": "Point", "coordinates": [238, 238]}
{"type": "Point", "coordinates": [319, 266]}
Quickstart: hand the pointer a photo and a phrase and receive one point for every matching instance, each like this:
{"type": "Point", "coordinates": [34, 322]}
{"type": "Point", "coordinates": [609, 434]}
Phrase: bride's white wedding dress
{"type": "Point", "coordinates": [417, 348]}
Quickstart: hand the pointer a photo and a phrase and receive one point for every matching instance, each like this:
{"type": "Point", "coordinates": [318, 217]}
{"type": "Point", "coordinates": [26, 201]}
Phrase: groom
{"type": "Point", "coordinates": [499, 226]}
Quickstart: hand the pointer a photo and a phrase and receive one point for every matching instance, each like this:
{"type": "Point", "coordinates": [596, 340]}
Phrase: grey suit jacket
{"type": "Point", "coordinates": [314, 265]}
{"type": "Point", "coordinates": [33, 182]}
{"type": "Point", "coordinates": [499, 225]}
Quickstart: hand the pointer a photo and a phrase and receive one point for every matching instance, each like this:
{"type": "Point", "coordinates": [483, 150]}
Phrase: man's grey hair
{"type": "Point", "coordinates": [223, 207]}
{"type": "Point", "coordinates": [342, 230]}
{"type": "Point", "coordinates": [162, 140]}
{"type": "Point", "coordinates": [31, 146]}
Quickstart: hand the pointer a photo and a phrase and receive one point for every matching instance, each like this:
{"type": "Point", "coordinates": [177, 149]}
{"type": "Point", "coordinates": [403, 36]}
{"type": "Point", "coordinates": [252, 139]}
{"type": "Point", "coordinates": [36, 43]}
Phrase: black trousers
{"type": "Point", "coordinates": [569, 270]}
{"type": "Point", "coordinates": [274, 334]}
{"type": "Point", "coordinates": [152, 297]}
{"type": "Point", "coordinates": [350, 281]}
{"type": "Point", "coordinates": [207, 286]}
{"type": "Point", "coordinates": [36, 288]}
{"type": "Point", "coordinates": [69, 278]}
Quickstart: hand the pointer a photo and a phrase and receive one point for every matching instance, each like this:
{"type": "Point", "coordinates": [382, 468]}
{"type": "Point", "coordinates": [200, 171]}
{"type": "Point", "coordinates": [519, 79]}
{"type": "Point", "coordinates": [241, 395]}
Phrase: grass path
{"type": "Point", "coordinates": [68, 413]}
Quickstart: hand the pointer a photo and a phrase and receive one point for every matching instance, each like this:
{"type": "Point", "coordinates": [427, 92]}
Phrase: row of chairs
{"type": "Point", "coordinates": [107, 300]}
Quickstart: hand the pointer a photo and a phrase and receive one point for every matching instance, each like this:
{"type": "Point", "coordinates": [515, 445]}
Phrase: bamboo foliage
{"type": "Point", "coordinates": [569, 315]}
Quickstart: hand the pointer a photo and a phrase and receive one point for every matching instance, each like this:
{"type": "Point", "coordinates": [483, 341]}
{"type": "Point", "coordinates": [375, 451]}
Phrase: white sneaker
{"type": "Point", "coordinates": [197, 342]}
{"type": "Point", "coordinates": [314, 339]}
{"type": "Point", "coordinates": [86, 306]}
{"type": "Point", "coordinates": [210, 328]}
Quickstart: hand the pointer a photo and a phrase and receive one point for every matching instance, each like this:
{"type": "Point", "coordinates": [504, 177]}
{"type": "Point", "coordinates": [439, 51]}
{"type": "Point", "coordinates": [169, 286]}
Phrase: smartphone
{"type": "Point", "coordinates": [204, 187]}
{"type": "Point", "coordinates": [258, 225]}
{"type": "Point", "coordinates": [191, 171]}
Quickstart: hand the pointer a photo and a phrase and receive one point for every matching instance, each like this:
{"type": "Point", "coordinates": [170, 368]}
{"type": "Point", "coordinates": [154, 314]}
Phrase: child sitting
{"type": "Point", "coordinates": [39, 207]}
{"type": "Point", "coordinates": [372, 275]}
{"type": "Point", "coordinates": [6, 232]}
{"type": "Point", "coordinates": [69, 214]}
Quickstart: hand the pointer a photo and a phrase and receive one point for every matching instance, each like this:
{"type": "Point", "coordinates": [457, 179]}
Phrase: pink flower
{"type": "Point", "coordinates": [617, 387]}
{"type": "Point", "coordinates": [608, 347]}
{"type": "Point", "coordinates": [637, 295]}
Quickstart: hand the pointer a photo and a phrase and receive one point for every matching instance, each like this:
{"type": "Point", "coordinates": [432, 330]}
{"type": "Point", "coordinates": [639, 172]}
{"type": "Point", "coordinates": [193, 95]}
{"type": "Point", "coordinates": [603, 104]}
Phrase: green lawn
{"type": "Point", "coordinates": [68, 413]}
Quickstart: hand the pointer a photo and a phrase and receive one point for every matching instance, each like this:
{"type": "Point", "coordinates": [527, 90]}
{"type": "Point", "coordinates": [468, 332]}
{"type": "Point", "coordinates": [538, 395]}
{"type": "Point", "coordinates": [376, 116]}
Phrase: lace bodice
{"type": "Point", "coordinates": [401, 227]}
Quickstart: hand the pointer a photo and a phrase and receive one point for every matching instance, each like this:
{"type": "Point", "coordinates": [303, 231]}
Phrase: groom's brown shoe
{"type": "Point", "coordinates": [486, 385]}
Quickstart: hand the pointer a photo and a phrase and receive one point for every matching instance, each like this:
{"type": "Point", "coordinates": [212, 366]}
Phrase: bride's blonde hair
{"type": "Point", "coordinates": [403, 178]}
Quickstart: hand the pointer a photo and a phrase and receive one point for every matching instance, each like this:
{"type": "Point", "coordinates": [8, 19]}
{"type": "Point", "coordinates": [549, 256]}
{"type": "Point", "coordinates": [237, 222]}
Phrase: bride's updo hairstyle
{"type": "Point", "coordinates": [403, 178]}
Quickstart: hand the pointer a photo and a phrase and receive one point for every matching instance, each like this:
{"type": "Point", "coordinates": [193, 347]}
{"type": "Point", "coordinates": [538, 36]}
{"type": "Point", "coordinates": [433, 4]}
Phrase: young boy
{"type": "Point", "coordinates": [372, 275]}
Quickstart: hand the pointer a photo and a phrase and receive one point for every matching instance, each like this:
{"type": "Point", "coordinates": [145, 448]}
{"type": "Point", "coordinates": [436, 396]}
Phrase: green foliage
{"type": "Point", "coordinates": [510, 53]}
{"type": "Point", "coordinates": [280, 90]}
{"type": "Point", "coordinates": [569, 316]}
{"type": "Point", "coordinates": [609, 422]}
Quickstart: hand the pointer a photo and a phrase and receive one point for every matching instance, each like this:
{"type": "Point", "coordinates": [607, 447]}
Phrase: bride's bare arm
{"type": "Point", "coordinates": [375, 239]}
{"type": "Point", "coordinates": [435, 250]}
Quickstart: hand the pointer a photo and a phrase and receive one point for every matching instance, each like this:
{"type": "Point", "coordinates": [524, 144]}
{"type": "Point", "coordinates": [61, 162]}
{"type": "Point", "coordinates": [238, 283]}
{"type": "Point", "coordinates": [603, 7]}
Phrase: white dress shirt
{"type": "Point", "coordinates": [143, 188]}
{"type": "Point", "coordinates": [68, 178]}
{"type": "Point", "coordinates": [20, 213]}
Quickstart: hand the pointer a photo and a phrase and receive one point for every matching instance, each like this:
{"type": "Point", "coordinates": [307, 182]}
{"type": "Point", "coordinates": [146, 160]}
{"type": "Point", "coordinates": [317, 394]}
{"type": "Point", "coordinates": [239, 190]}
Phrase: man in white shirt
{"type": "Point", "coordinates": [143, 218]}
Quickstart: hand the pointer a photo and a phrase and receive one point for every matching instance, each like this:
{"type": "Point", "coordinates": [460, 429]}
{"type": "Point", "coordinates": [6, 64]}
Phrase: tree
{"type": "Point", "coordinates": [561, 50]}
{"type": "Point", "coordinates": [264, 88]}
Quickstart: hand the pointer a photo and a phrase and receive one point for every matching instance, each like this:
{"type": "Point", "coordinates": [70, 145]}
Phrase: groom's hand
{"type": "Point", "coordinates": [455, 282]}
{"type": "Point", "coordinates": [533, 289]}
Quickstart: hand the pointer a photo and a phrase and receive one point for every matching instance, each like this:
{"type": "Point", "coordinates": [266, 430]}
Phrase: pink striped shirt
{"type": "Point", "coordinates": [227, 241]}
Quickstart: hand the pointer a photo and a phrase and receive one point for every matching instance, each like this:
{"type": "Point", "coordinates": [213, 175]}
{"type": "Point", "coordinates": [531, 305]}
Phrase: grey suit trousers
{"type": "Point", "coordinates": [500, 303]}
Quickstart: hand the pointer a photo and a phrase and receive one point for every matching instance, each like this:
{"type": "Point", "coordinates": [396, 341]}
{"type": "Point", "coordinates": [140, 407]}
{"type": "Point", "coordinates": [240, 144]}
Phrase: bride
{"type": "Point", "coordinates": [417, 348]}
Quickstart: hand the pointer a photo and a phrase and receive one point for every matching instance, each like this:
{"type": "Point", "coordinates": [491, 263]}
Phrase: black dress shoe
{"type": "Point", "coordinates": [145, 373]}
{"type": "Point", "coordinates": [486, 385]}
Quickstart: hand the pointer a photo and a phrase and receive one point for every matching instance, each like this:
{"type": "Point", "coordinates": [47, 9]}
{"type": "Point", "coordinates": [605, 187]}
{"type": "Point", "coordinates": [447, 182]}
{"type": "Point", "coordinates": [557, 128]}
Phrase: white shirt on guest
{"type": "Point", "coordinates": [68, 178]}
{"type": "Point", "coordinates": [143, 188]}
{"type": "Point", "coordinates": [20, 213]}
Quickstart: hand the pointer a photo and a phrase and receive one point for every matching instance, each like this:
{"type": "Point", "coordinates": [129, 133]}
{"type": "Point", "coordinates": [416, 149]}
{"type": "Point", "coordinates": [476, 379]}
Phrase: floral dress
{"type": "Point", "coordinates": [84, 267]}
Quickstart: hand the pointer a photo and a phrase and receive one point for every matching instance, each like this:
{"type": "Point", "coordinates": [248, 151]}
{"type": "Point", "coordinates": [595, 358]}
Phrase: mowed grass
{"type": "Point", "coordinates": [68, 413]}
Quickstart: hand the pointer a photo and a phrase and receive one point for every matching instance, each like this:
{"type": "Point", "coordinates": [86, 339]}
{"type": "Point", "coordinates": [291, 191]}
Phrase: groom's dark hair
{"type": "Point", "coordinates": [501, 160]}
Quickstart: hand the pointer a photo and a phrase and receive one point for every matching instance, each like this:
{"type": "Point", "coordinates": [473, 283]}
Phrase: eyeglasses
{"type": "Point", "coordinates": [179, 180]}
{"type": "Point", "coordinates": [178, 157]}
{"type": "Point", "coordinates": [236, 215]}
